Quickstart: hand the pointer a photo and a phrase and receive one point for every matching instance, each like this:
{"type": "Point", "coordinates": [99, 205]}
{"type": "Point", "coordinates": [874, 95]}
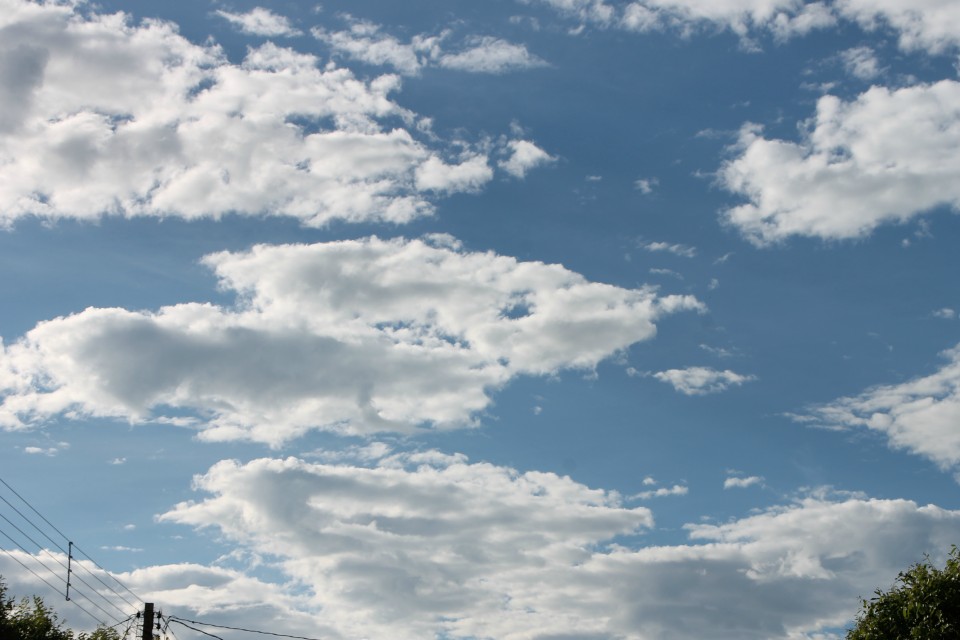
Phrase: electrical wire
{"type": "Point", "coordinates": [77, 547]}
{"type": "Point", "coordinates": [58, 577]}
{"type": "Point", "coordinates": [221, 626]}
{"type": "Point", "coordinates": [65, 568]}
{"type": "Point", "coordinates": [49, 585]}
{"type": "Point", "coordinates": [195, 629]}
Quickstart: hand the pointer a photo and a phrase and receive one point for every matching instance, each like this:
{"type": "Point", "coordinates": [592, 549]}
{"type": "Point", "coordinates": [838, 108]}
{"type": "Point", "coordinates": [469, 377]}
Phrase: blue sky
{"type": "Point", "coordinates": [521, 319]}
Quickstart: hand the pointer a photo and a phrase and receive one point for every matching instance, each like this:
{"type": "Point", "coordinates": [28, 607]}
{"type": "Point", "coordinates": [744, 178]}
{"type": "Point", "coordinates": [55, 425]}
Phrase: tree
{"type": "Point", "coordinates": [923, 604]}
{"type": "Point", "coordinates": [31, 619]}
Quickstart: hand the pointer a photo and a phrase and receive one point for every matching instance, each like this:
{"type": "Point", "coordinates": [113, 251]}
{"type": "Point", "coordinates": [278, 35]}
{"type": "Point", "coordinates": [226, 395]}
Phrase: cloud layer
{"type": "Point", "coordinates": [102, 116]}
{"type": "Point", "coordinates": [422, 544]}
{"type": "Point", "coordinates": [356, 336]}
{"type": "Point", "coordinates": [368, 43]}
{"type": "Point", "coordinates": [925, 24]}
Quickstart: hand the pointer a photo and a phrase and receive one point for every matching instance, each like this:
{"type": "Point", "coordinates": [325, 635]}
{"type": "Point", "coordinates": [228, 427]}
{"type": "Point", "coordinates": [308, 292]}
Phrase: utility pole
{"type": "Point", "coordinates": [147, 621]}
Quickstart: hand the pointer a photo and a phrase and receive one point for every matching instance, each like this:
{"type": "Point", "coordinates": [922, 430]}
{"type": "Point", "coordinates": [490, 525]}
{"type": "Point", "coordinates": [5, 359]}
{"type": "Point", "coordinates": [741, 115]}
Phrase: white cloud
{"type": "Point", "coordinates": [524, 156]}
{"type": "Point", "coordinates": [366, 42]}
{"type": "Point", "coordinates": [429, 544]}
{"type": "Point", "coordinates": [356, 336]}
{"type": "Point", "coordinates": [122, 548]}
{"type": "Point", "coordinates": [920, 415]}
{"type": "Point", "coordinates": [682, 250]}
{"type": "Point", "coordinates": [104, 117]}
{"type": "Point", "coordinates": [49, 451]}
{"type": "Point", "coordinates": [701, 380]}
{"type": "Point", "coordinates": [675, 490]}
{"type": "Point", "coordinates": [887, 156]}
{"type": "Point", "coordinates": [646, 185]}
{"type": "Point", "coordinates": [742, 483]}
{"type": "Point", "coordinates": [921, 24]}
{"type": "Point", "coordinates": [657, 271]}
{"type": "Point", "coordinates": [861, 62]}
{"type": "Point", "coordinates": [418, 543]}
{"type": "Point", "coordinates": [424, 545]}
{"type": "Point", "coordinates": [469, 175]}
{"type": "Point", "coordinates": [260, 22]}
{"type": "Point", "coordinates": [490, 55]}
{"type": "Point", "coordinates": [946, 313]}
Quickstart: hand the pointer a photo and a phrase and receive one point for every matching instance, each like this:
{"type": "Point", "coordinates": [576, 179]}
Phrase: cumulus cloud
{"type": "Point", "coordinates": [920, 25]}
{"type": "Point", "coordinates": [861, 62]}
{"type": "Point", "coordinates": [260, 22]}
{"type": "Point", "coordinates": [356, 337]}
{"type": "Point", "coordinates": [676, 249]}
{"type": "Point", "coordinates": [490, 55]}
{"type": "Point", "coordinates": [919, 416]}
{"type": "Point", "coordinates": [393, 549]}
{"type": "Point", "coordinates": [675, 490]}
{"type": "Point", "coordinates": [741, 482]}
{"type": "Point", "coordinates": [694, 381]}
{"type": "Point", "coordinates": [365, 42]}
{"type": "Point", "coordinates": [103, 116]}
{"type": "Point", "coordinates": [945, 313]}
{"type": "Point", "coordinates": [424, 544]}
{"type": "Point", "coordinates": [782, 17]}
{"type": "Point", "coordinates": [427, 544]}
{"type": "Point", "coordinates": [368, 43]}
{"type": "Point", "coordinates": [524, 156]}
{"type": "Point", "coordinates": [887, 156]}
{"type": "Point", "coordinates": [646, 185]}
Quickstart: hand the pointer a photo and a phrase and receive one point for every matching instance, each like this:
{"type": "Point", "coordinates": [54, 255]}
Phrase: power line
{"type": "Point", "coordinates": [195, 629]}
{"type": "Point", "coordinates": [65, 568]}
{"type": "Point", "coordinates": [77, 547]}
{"type": "Point", "coordinates": [98, 621]}
{"type": "Point", "coordinates": [59, 577]}
{"type": "Point", "coordinates": [221, 626]}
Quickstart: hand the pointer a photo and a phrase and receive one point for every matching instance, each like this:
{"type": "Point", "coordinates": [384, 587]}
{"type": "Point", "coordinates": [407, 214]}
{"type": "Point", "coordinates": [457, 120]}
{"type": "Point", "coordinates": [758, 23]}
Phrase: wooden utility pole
{"type": "Point", "coordinates": [147, 621]}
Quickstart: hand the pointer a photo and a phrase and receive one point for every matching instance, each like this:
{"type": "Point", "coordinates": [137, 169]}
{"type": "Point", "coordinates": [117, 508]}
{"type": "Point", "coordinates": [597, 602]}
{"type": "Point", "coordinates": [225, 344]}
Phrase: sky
{"type": "Point", "coordinates": [517, 319]}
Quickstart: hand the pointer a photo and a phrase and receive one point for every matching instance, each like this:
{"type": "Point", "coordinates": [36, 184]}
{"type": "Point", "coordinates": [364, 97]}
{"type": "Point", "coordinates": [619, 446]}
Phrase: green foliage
{"type": "Point", "coordinates": [923, 605]}
{"type": "Point", "coordinates": [31, 619]}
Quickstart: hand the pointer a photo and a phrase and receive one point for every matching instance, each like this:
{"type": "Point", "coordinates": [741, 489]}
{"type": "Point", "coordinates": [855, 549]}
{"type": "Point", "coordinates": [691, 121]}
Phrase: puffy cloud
{"type": "Point", "coordinates": [646, 185]}
{"type": "Point", "coordinates": [741, 483]}
{"type": "Point", "coordinates": [102, 116]}
{"type": "Point", "coordinates": [783, 17]}
{"type": "Point", "coordinates": [469, 175]}
{"type": "Point", "coordinates": [524, 156]}
{"type": "Point", "coordinates": [675, 490]}
{"type": "Point", "coordinates": [431, 544]}
{"type": "Point", "coordinates": [694, 381]}
{"type": "Point", "coordinates": [920, 24]}
{"type": "Point", "coordinates": [887, 156]}
{"type": "Point", "coordinates": [366, 42]}
{"type": "Point", "coordinates": [425, 544]}
{"type": "Point", "coordinates": [861, 62]}
{"type": "Point", "coordinates": [356, 336]}
{"type": "Point", "coordinates": [920, 415]}
{"type": "Point", "coordinates": [945, 313]}
{"type": "Point", "coordinates": [682, 250]}
{"type": "Point", "coordinates": [260, 22]}
{"type": "Point", "coordinates": [397, 548]}
{"type": "Point", "coordinates": [490, 55]}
